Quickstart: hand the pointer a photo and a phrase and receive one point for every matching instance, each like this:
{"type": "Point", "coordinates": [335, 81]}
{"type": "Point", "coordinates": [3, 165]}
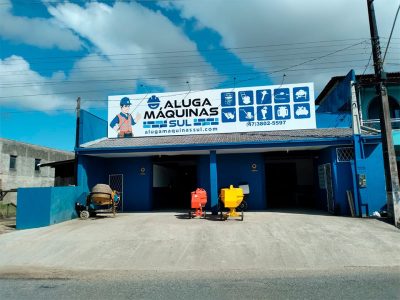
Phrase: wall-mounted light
{"type": "Point", "coordinates": [142, 171]}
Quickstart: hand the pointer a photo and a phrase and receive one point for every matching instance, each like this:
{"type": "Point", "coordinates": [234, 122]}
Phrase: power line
{"type": "Point", "coordinates": [107, 79]}
{"type": "Point", "coordinates": [214, 50]}
{"type": "Point", "coordinates": [276, 71]}
{"type": "Point", "coordinates": [168, 64]}
{"type": "Point", "coordinates": [390, 36]}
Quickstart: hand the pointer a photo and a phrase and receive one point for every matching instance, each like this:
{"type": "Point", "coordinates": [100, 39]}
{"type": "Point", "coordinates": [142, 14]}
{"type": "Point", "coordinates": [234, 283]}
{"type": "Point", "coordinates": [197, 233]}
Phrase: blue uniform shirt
{"type": "Point", "coordinates": [116, 119]}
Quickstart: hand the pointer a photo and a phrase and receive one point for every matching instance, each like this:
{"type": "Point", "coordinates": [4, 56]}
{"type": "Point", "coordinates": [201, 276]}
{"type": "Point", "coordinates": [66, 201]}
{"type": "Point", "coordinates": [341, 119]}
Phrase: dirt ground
{"type": "Point", "coordinates": [7, 225]}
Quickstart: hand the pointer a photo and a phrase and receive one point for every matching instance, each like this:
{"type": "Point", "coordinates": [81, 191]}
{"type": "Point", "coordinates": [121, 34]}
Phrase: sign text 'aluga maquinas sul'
{"type": "Point", "coordinates": [260, 108]}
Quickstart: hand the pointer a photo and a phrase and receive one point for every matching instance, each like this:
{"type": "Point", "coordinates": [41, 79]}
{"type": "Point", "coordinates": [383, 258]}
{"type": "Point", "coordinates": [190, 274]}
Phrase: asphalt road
{"type": "Point", "coordinates": [354, 283]}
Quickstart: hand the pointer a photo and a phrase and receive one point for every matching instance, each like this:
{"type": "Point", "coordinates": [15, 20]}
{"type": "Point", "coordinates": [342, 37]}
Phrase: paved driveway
{"type": "Point", "coordinates": [168, 242]}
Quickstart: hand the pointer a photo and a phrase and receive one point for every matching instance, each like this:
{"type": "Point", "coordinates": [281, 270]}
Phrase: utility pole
{"type": "Point", "coordinates": [389, 155]}
{"type": "Point", "coordinates": [78, 116]}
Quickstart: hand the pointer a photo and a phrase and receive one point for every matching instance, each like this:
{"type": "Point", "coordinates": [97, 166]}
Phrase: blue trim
{"type": "Point", "coordinates": [215, 146]}
{"type": "Point", "coordinates": [213, 182]}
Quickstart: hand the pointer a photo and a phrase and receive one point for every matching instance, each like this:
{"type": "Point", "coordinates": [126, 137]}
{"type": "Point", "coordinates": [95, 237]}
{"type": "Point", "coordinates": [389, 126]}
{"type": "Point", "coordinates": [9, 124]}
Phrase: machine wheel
{"type": "Point", "coordinates": [190, 214]}
{"type": "Point", "coordinates": [243, 205]}
{"type": "Point", "coordinates": [84, 215]}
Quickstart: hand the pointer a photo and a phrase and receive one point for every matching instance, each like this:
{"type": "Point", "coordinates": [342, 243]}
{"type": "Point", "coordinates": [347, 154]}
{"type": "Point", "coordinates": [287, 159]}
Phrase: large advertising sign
{"type": "Point", "coordinates": [259, 108]}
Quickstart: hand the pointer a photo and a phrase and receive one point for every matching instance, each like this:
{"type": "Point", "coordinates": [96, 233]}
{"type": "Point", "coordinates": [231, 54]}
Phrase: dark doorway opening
{"type": "Point", "coordinates": [281, 181]}
{"type": "Point", "coordinates": [174, 178]}
{"type": "Point", "coordinates": [289, 182]}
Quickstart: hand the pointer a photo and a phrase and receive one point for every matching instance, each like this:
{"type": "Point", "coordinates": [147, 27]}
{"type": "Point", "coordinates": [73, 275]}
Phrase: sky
{"type": "Point", "coordinates": [54, 51]}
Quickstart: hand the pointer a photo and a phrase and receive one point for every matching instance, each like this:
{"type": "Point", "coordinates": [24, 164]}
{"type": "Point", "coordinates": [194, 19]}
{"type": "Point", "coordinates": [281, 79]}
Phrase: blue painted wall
{"type": "Point", "coordinates": [344, 182]}
{"type": "Point", "coordinates": [33, 209]}
{"type": "Point", "coordinates": [324, 157]}
{"type": "Point", "coordinates": [91, 171]}
{"type": "Point", "coordinates": [373, 194]}
{"type": "Point", "coordinates": [138, 185]}
{"type": "Point", "coordinates": [203, 176]}
{"type": "Point", "coordinates": [44, 206]}
{"type": "Point", "coordinates": [333, 120]}
{"type": "Point", "coordinates": [91, 127]}
{"type": "Point", "coordinates": [376, 190]}
{"type": "Point", "coordinates": [237, 168]}
{"type": "Point", "coordinates": [339, 98]}
{"type": "Point", "coordinates": [62, 204]}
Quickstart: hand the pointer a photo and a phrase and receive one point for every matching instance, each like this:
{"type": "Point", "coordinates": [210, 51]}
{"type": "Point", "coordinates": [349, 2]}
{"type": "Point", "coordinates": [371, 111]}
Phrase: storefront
{"type": "Point", "coordinates": [266, 137]}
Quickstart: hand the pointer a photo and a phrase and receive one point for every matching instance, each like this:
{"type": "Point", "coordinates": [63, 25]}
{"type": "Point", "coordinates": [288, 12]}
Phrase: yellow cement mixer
{"type": "Point", "coordinates": [102, 199]}
{"type": "Point", "coordinates": [231, 198]}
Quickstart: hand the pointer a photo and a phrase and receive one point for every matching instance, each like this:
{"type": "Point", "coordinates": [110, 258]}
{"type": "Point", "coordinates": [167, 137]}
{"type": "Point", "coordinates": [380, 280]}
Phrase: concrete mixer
{"type": "Point", "coordinates": [102, 199]}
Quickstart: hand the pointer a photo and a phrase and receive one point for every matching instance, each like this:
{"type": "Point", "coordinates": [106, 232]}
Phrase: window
{"type": "Point", "coordinates": [344, 154]}
{"type": "Point", "coordinates": [13, 162]}
{"type": "Point", "coordinates": [37, 164]}
{"type": "Point", "coordinates": [374, 108]}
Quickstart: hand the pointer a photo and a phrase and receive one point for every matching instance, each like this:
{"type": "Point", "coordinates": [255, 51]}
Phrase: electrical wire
{"type": "Point", "coordinates": [276, 71]}
{"type": "Point", "coordinates": [391, 32]}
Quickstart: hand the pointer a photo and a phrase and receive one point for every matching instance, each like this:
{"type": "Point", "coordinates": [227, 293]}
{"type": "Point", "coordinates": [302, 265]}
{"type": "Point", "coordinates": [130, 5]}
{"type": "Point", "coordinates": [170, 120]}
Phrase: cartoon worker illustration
{"type": "Point", "coordinates": [123, 122]}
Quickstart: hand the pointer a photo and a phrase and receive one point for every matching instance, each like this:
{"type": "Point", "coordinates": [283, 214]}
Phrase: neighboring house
{"type": "Point", "coordinates": [21, 166]}
{"type": "Point", "coordinates": [367, 97]}
{"type": "Point", "coordinates": [64, 171]}
{"type": "Point", "coordinates": [333, 99]}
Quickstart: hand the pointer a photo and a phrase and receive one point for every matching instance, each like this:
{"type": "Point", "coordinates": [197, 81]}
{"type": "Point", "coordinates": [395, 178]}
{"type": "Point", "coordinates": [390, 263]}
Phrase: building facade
{"type": "Point", "coordinates": [299, 168]}
{"type": "Point", "coordinates": [330, 167]}
{"type": "Point", "coordinates": [21, 166]}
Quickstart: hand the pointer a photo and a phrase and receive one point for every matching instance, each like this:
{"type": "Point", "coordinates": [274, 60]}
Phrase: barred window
{"type": "Point", "coordinates": [13, 162]}
{"type": "Point", "coordinates": [37, 164]}
{"type": "Point", "coordinates": [344, 154]}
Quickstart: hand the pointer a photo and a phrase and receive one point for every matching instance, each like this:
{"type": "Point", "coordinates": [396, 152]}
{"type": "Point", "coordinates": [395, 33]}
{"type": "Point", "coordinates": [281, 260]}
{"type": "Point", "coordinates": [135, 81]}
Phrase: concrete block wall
{"type": "Point", "coordinates": [25, 175]}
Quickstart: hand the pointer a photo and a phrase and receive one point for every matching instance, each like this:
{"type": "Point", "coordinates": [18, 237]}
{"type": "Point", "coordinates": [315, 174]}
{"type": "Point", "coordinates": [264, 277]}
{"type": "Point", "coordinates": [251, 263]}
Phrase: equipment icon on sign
{"type": "Point", "coordinates": [246, 98]}
{"type": "Point", "coordinates": [246, 114]}
{"type": "Point", "coordinates": [282, 112]}
{"type": "Point", "coordinates": [228, 99]}
{"type": "Point", "coordinates": [263, 96]}
{"type": "Point", "coordinates": [302, 111]}
{"type": "Point", "coordinates": [301, 94]}
{"type": "Point", "coordinates": [282, 95]}
{"type": "Point", "coordinates": [228, 115]}
{"type": "Point", "coordinates": [264, 112]}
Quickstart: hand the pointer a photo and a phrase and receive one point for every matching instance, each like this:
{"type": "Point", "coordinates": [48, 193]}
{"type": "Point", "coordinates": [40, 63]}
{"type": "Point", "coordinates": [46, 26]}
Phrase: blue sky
{"type": "Point", "coordinates": [53, 51]}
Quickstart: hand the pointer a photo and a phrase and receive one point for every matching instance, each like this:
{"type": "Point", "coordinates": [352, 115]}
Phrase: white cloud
{"type": "Point", "coordinates": [260, 22]}
{"type": "Point", "coordinates": [27, 82]}
{"type": "Point", "coordinates": [40, 32]}
{"type": "Point", "coordinates": [123, 37]}
{"type": "Point", "coordinates": [133, 35]}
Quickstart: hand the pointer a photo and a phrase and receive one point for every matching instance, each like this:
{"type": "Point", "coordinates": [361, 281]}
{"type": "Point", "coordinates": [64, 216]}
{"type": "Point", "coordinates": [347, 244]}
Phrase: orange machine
{"type": "Point", "coordinates": [198, 203]}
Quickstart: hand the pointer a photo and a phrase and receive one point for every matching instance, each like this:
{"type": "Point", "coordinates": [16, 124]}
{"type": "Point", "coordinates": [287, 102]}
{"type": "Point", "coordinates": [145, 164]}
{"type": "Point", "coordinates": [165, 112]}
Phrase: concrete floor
{"type": "Point", "coordinates": [168, 241]}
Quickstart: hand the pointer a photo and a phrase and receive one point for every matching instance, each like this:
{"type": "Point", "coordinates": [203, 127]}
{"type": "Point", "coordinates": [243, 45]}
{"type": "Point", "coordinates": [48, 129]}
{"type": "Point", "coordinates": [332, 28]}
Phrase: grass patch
{"type": "Point", "coordinates": [7, 211]}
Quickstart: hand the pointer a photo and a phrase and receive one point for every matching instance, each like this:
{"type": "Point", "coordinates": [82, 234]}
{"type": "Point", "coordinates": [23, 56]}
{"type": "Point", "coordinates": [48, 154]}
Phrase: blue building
{"type": "Point", "coordinates": [309, 168]}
